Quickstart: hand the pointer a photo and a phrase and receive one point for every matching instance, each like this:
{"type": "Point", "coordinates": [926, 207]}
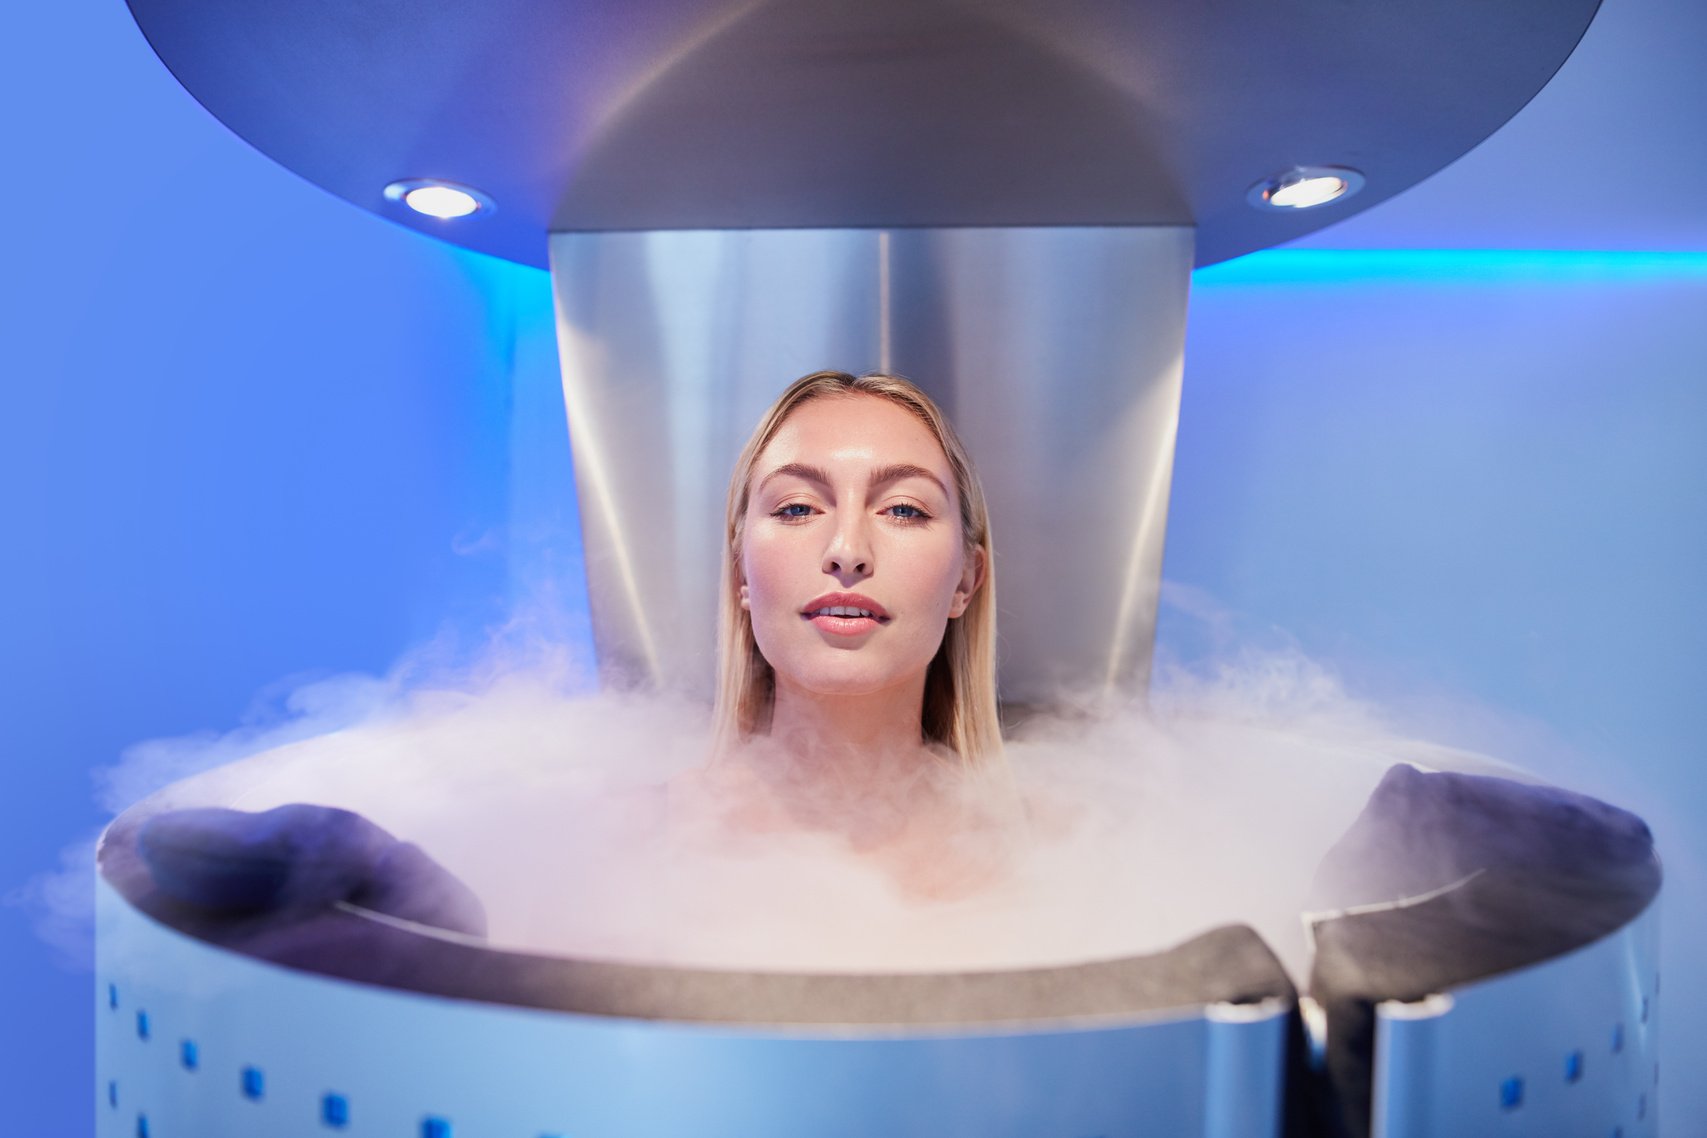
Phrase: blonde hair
{"type": "Point", "coordinates": [960, 685]}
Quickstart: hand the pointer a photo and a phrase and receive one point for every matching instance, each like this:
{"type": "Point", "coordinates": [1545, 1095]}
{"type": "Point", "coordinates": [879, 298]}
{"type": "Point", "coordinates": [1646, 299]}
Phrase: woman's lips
{"type": "Point", "coordinates": [845, 614]}
{"type": "Point", "coordinates": [842, 625]}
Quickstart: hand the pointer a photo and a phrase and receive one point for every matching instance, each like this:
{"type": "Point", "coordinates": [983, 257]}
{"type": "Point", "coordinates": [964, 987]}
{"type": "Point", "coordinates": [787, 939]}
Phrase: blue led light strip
{"type": "Point", "coordinates": [1530, 266]}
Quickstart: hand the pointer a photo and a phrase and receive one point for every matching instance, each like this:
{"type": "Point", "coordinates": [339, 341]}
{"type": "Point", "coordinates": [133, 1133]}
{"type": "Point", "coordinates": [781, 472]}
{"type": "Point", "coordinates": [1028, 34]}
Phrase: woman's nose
{"type": "Point", "coordinates": [849, 552]}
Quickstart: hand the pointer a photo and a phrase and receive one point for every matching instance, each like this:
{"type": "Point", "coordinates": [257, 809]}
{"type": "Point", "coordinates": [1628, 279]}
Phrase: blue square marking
{"type": "Point", "coordinates": [1574, 1067]}
{"type": "Point", "coordinates": [189, 1055]}
{"type": "Point", "coordinates": [142, 1126]}
{"type": "Point", "coordinates": [1511, 1093]}
{"type": "Point", "coordinates": [435, 1128]}
{"type": "Point", "coordinates": [1641, 1107]}
{"type": "Point", "coordinates": [254, 1083]}
{"type": "Point", "coordinates": [1617, 1038]}
{"type": "Point", "coordinates": [1644, 1009]}
{"type": "Point", "coordinates": [112, 1094]}
{"type": "Point", "coordinates": [335, 1111]}
{"type": "Point", "coordinates": [112, 995]}
{"type": "Point", "coordinates": [142, 1025]}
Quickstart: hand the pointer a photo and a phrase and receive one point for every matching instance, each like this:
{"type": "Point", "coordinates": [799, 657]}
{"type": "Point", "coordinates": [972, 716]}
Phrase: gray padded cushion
{"type": "Point", "coordinates": [297, 860]}
{"type": "Point", "coordinates": [1554, 871]}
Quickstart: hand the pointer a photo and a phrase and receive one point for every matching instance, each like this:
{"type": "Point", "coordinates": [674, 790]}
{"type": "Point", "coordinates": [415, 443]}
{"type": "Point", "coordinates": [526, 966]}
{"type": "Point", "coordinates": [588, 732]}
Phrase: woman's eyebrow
{"type": "Point", "coordinates": [798, 470]}
{"type": "Point", "coordinates": [896, 471]}
{"type": "Point", "coordinates": [882, 476]}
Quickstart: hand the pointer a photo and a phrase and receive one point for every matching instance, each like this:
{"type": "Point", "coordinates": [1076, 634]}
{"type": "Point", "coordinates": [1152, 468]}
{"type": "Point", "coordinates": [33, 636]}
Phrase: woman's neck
{"type": "Point", "coordinates": [850, 737]}
{"type": "Point", "coordinates": [859, 767]}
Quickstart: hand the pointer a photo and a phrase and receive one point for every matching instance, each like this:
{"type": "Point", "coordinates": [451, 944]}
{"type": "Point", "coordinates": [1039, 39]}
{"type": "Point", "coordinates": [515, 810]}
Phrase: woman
{"type": "Point", "coordinates": [856, 686]}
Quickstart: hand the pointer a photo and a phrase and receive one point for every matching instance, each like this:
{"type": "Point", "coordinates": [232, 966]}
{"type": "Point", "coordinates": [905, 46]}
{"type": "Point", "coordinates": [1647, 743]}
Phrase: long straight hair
{"type": "Point", "coordinates": [960, 685]}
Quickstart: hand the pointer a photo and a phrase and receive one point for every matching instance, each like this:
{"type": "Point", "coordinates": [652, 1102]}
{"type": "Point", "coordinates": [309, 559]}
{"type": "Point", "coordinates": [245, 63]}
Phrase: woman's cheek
{"type": "Point", "coordinates": [944, 578]}
{"type": "Point", "coordinates": [765, 566]}
{"type": "Point", "coordinates": [773, 556]}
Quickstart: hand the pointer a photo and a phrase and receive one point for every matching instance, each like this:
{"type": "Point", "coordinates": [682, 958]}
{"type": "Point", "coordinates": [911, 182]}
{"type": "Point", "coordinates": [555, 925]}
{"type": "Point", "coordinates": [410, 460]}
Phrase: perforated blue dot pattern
{"type": "Point", "coordinates": [335, 1111]}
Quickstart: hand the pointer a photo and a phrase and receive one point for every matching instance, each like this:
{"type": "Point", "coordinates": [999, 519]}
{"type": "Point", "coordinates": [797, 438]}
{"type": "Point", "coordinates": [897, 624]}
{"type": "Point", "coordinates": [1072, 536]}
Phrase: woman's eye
{"type": "Point", "coordinates": [907, 512]}
{"type": "Point", "coordinates": [792, 510]}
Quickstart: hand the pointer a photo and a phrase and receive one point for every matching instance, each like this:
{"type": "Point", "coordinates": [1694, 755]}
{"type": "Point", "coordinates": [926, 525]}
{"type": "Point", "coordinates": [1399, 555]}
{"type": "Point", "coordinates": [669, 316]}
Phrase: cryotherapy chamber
{"type": "Point", "coordinates": [1520, 998]}
{"type": "Point", "coordinates": [1004, 201]}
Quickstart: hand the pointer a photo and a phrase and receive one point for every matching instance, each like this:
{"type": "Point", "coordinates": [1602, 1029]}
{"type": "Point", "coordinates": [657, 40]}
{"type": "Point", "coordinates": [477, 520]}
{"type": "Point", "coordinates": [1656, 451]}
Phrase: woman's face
{"type": "Point", "coordinates": [853, 560]}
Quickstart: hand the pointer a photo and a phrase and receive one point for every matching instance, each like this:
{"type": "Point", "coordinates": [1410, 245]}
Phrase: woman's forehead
{"type": "Point", "coordinates": [850, 435]}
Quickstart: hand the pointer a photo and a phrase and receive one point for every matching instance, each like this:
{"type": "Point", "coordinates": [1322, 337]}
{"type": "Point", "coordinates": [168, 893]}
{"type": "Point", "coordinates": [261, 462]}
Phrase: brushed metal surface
{"type": "Point", "coordinates": [1568, 1047]}
{"type": "Point", "coordinates": [400, 1060]}
{"type": "Point", "coordinates": [689, 114]}
{"type": "Point", "coordinates": [1056, 352]}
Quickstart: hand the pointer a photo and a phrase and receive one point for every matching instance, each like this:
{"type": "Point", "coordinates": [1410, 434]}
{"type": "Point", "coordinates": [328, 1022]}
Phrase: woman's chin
{"type": "Point", "coordinates": [843, 682]}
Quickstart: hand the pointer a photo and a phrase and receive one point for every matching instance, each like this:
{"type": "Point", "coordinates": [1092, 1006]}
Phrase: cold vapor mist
{"type": "Point", "coordinates": [591, 825]}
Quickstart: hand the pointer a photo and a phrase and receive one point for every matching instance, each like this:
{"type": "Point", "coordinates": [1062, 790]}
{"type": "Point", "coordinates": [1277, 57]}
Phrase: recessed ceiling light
{"type": "Point", "coordinates": [435, 198]}
{"type": "Point", "coordinates": [1304, 187]}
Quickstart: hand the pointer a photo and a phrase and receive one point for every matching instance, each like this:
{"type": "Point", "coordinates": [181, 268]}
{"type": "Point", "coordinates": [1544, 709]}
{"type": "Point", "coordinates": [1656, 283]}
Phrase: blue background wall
{"type": "Point", "coordinates": [248, 432]}
{"type": "Point", "coordinates": [248, 435]}
{"type": "Point", "coordinates": [1474, 485]}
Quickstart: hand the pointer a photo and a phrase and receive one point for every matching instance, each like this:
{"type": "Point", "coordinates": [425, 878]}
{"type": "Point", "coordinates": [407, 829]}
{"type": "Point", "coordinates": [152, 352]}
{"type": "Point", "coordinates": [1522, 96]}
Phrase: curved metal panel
{"type": "Point", "coordinates": [693, 114]}
{"type": "Point", "coordinates": [1561, 1048]}
{"type": "Point", "coordinates": [195, 1041]}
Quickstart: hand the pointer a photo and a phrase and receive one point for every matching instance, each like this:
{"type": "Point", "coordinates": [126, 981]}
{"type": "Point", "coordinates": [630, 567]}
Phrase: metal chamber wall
{"type": "Point", "coordinates": [1056, 352]}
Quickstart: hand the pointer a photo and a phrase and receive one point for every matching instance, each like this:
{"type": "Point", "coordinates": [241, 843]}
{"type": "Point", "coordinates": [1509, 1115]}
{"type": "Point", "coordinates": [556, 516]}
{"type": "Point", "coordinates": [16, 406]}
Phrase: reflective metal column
{"type": "Point", "coordinates": [1055, 351]}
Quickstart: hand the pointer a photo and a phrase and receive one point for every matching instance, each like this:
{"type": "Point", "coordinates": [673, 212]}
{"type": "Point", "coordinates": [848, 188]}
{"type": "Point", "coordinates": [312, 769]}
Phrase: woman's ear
{"type": "Point", "coordinates": [971, 579]}
{"type": "Point", "coordinates": [746, 602]}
